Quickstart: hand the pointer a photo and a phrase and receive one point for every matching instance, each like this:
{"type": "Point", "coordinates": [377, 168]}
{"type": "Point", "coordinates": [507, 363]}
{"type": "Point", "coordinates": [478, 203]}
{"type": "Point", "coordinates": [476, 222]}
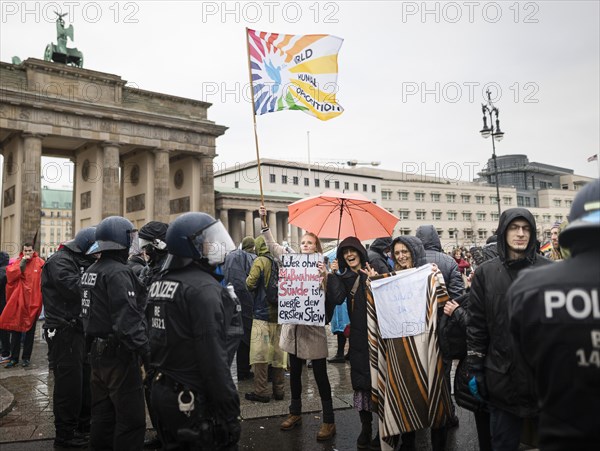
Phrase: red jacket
{"type": "Point", "coordinates": [23, 295]}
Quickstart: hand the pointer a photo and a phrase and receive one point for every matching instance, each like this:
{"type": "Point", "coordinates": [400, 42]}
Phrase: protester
{"type": "Point", "coordinates": [23, 303]}
{"type": "Point", "coordinates": [236, 269]}
{"type": "Point", "coordinates": [4, 334]}
{"type": "Point", "coordinates": [351, 284]}
{"type": "Point", "coordinates": [496, 373]}
{"type": "Point", "coordinates": [390, 365]}
{"type": "Point", "coordinates": [554, 253]}
{"type": "Point", "coordinates": [264, 347]}
{"type": "Point", "coordinates": [379, 255]}
{"type": "Point", "coordinates": [113, 320]}
{"type": "Point", "coordinates": [555, 323]}
{"type": "Point", "coordinates": [463, 264]}
{"type": "Point", "coordinates": [66, 342]}
{"type": "Point", "coordinates": [194, 399]}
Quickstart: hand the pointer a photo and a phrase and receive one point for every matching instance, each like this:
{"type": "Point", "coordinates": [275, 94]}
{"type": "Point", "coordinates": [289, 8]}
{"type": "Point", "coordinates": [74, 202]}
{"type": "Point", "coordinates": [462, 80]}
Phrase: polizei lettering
{"type": "Point", "coordinates": [577, 304]}
{"type": "Point", "coordinates": [163, 289]}
{"type": "Point", "coordinates": [89, 278]}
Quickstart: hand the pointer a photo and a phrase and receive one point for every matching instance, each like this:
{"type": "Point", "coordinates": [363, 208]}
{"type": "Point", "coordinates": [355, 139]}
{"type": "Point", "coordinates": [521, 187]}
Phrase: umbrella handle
{"type": "Point", "coordinates": [340, 224]}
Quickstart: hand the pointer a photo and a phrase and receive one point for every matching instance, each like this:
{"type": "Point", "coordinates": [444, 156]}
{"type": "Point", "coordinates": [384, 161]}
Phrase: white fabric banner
{"type": "Point", "coordinates": [401, 302]}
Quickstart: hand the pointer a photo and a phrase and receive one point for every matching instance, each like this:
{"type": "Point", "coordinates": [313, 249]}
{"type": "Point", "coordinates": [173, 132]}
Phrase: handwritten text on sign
{"type": "Point", "coordinates": [401, 302]}
{"type": "Point", "coordinates": [301, 299]}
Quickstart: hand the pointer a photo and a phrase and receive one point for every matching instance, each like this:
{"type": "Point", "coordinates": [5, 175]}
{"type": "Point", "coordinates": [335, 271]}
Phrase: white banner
{"type": "Point", "coordinates": [401, 302]}
{"type": "Point", "coordinates": [301, 299]}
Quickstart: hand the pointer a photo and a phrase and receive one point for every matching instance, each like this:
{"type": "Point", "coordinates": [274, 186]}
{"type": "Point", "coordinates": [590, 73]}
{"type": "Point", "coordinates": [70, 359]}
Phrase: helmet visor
{"type": "Point", "coordinates": [213, 243]}
{"type": "Point", "coordinates": [134, 247]}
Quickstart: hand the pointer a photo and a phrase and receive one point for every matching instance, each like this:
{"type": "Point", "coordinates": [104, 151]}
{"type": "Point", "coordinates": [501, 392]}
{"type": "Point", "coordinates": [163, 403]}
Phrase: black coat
{"type": "Point", "coordinates": [488, 338]}
{"type": "Point", "coordinates": [446, 264]}
{"type": "Point", "coordinates": [376, 256]}
{"type": "Point", "coordinates": [556, 342]}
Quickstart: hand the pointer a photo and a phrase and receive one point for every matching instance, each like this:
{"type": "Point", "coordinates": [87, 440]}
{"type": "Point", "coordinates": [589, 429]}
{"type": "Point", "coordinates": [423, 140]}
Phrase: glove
{"type": "Point", "coordinates": [233, 431]}
{"type": "Point", "coordinates": [476, 378]}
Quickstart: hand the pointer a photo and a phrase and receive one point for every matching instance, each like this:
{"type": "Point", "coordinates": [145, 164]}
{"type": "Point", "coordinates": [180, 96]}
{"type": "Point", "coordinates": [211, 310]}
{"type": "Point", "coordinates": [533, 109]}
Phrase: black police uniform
{"type": "Point", "coordinates": [64, 333]}
{"type": "Point", "coordinates": [188, 316]}
{"type": "Point", "coordinates": [114, 322]}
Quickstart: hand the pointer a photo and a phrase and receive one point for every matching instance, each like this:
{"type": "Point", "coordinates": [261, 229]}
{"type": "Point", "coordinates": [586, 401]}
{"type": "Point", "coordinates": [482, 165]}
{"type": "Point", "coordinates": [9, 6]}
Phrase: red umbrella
{"type": "Point", "coordinates": [333, 215]}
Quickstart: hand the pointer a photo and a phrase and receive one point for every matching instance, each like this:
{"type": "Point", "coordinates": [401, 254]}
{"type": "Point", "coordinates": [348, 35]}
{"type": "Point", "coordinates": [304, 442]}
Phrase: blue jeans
{"type": "Point", "coordinates": [506, 430]}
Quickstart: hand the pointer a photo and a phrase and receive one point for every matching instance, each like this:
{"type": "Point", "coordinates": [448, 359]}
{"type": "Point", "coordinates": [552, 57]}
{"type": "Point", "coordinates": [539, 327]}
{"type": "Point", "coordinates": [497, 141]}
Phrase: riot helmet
{"type": "Point", "coordinates": [114, 233]}
{"type": "Point", "coordinates": [82, 241]}
{"type": "Point", "coordinates": [199, 236]}
{"type": "Point", "coordinates": [584, 218]}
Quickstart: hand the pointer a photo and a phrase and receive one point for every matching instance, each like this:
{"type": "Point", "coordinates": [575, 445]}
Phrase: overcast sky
{"type": "Point", "coordinates": [412, 75]}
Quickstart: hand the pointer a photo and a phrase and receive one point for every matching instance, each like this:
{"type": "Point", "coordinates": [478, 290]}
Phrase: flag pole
{"type": "Point", "coordinates": [262, 197]}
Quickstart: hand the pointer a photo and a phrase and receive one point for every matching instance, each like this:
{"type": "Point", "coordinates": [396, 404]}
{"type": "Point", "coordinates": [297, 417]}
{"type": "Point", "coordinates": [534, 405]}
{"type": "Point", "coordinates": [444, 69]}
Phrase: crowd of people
{"type": "Point", "coordinates": [155, 318]}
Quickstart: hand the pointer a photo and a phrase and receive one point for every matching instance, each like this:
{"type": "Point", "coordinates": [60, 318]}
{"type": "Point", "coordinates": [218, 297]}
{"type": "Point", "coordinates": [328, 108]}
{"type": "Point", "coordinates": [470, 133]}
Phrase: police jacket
{"type": "Point", "coordinates": [60, 288]}
{"type": "Point", "coordinates": [554, 317]}
{"type": "Point", "coordinates": [188, 318]}
{"type": "Point", "coordinates": [488, 338]}
{"type": "Point", "coordinates": [447, 265]}
{"type": "Point", "coordinates": [111, 304]}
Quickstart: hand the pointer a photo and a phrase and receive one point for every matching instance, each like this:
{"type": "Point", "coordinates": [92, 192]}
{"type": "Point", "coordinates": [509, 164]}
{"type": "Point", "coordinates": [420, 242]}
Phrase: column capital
{"type": "Point", "coordinates": [27, 135]}
{"type": "Point", "coordinates": [157, 150]}
{"type": "Point", "coordinates": [106, 144]}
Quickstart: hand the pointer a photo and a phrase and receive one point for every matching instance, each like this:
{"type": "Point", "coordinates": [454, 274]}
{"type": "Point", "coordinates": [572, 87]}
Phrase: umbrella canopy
{"type": "Point", "coordinates": [339, 215]}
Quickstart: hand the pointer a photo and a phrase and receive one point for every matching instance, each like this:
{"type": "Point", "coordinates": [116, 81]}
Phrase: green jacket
{"type": "Point", "coordinates": [261, 269]}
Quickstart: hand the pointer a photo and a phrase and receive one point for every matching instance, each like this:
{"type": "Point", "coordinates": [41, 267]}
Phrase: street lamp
{"type": "Point", "coordinates": [496, 134]}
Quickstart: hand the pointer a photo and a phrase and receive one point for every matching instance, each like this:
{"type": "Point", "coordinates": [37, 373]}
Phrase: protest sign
{"type": "Point", "coordinates": [401, 302]}
{"type": "Point", "coordinates": [301, 299]}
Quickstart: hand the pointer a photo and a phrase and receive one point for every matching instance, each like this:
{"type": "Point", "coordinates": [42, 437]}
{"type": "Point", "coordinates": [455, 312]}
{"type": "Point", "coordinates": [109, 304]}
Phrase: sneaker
{"type": "Point", "coordinates": [291, 422]}
{"type": "Point", "coordinates": [4, 359]}
{"type": "Point", "coordinates": [25, 363]}
{"type": "Point", "coordinates": [257, 398]}
{"type": "Point", "coordinates": [71, 443]}
{"type": "Point", "coordinates": [12, 364]}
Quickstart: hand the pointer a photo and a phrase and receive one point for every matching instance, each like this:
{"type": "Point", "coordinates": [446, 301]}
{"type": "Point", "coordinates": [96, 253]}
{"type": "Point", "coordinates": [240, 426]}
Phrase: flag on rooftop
{"type": "Point", "coordinates": [593, 158]}
{"type": "Point", "coordinates": [294, 72]}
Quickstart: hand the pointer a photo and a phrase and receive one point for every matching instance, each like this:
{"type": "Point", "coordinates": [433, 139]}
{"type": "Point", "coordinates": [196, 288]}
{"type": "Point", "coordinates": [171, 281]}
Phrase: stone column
{"type": "Point", "coordinates": [110, 180]}
{"type": "Point", "coordinates": [236, 227]}
{"type": "Point", "coordinates": [31, 202]}
{"type": "Point", "coordinates": [294, 238]}
{"type": "Point", "coordinates": [224, 217]}
{"type": "Point", "coordinates": [74, 225]}
{"type": "Point", "coordinates": [282, 228]}
{"type": "Point", "coordinates": [162, 208]}
{"type": "Point", "coordinates": [249, 223]}
{"type": "Point", "coordinates": [207, 185]}
{"type": "Point", "coordinates": [272, 221]}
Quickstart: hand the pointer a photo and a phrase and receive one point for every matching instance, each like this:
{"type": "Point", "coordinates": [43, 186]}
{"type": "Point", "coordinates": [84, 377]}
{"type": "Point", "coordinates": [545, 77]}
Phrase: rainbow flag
{"type": "Point", "coordinates": [546, 247]}
{"type": "Point", "coordinates": [294, 72]}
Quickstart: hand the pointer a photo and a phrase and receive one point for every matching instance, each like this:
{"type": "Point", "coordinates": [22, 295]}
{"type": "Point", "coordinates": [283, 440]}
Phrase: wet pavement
{"type": "Point", "coordinates": [29, 424]}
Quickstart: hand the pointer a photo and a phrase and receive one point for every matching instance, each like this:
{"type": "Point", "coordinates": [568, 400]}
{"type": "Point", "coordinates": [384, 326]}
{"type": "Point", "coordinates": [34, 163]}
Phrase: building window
{"type": "Point", "coordinates": [507, 200]}
{"type": "Point", "coordinates": [356, 187]}
{"type": "Point", "coordinates": [480, 199]}
{"type": "Point", "coordinates": [365, 187]}
{"type": "Point", "coordinates": [466, 216]}
{"type": "Point", "coordinates": [520, 202]}
{"type": "Point", "coordinates": [451, 216]}
{"type": "Point", "coordinates": [295, 180]}
{"type": "Point", "coordinates": [402, 195]}
{"type": "Point", "coordinates": [337, 184]}
{"type": "Point", "coordinates": [421, 215]}
{"type": "Point", "coordinates": [373, 189]}
{"type": "Point", "coordinates": [436, 215]}
{"type": "Point", "coordinates": [435, 197]}
{"type": "Point", "coordinates": [420, 197]}
{"type": "Point", "coordinates": [451, 198]}
{"type": "Point", "coordinates": [317, 183]}
{"type": "Point", "coordinates": [306, 181]}
{"type": "Point", "coordinates": [404, 231]}
{"type": "Point", "coordinates": [468, 234]}
{"type": "Point", "coordinates": [403, 214]}
{"type": "Point", "coordinates": [557, 202]}
{"type": "Point", "coordinates": [543, 185]}
{"type": "Point", "coordinates": [236, 184]}
{"type": "Point", "coordinates": [481, 234]}
{"type": "Point", "coordinates": [568, 203]}
{"type": "Point", "coordinates": [346, 185]}
{"type": "Point", "coordinates": [452, 234]}
{"type": "Point", "coordinates": [327, 183]}
{"type": "Point", "coordinates": [546, 218]}
{"type": "Point", "coordinates": [466, 199]}
{"type": "Point", "coordinates": [528, 202]}
{"type": "Point", "coordinates": [494, 216]}
{"type": "Point", "coordinates": [481, 216]}
{"type": "Point", "coordinates": [493, 200]}
{"type": "Point", "coordinates": [440, 232]}
{"type": "Point", "coordinates": [559, 217]}
{"type": "Point", "coordinates": [284, 179]}
{"type": "Point", "coordinates": [272, 178]}
{"type": "Point", "coordinates": [386, 195]}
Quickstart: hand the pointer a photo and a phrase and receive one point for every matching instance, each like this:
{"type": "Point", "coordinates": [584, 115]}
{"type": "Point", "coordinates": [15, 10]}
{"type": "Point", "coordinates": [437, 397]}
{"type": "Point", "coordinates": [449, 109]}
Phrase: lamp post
{"type": "Point", "coordinates": [490, 110]}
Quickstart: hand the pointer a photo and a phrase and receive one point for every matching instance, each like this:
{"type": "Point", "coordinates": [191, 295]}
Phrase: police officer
{"type": "Point", "coordinates": [554, 315]}
{"type": "Point", "coordinates": [114, 323]}
{"type": "Point", "coordinates": [64, 333]}
{"type": "Point", "coordinates": [189, 316]}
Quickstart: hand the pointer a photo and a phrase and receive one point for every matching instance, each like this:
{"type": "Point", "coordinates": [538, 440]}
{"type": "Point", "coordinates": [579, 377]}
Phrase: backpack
{"type": "Point", "coordinates": [272, 288]}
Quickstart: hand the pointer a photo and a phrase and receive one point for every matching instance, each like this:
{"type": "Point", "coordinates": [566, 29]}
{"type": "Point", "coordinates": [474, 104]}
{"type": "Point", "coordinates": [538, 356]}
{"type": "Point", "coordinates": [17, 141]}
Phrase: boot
{"type": "Point", "coordinates": [375, 444]}
{"type": "Point", "coordinates": [326, 432]}
{"type": "Point", "coordinates": [364, 439]}
{"type": "Point", "coordinates": [438, 438]}
{"type": "Point", "coordinates": [293, 419]}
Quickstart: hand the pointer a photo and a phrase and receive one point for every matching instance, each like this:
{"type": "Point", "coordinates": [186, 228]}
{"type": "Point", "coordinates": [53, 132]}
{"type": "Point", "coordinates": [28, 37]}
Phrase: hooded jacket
{"type": "Point", "coordinates": [376, 256]}
{"type": "Point", "coordinates": [433, 250]}
{"type": "Point", "coordinates": [4, 259]}
{"type": "Point", "coordinates": [509, 386]}
{"type": "Point", "coordinates": [339, 286]}
{"type": "Point", "coordinates": [258, 279]}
